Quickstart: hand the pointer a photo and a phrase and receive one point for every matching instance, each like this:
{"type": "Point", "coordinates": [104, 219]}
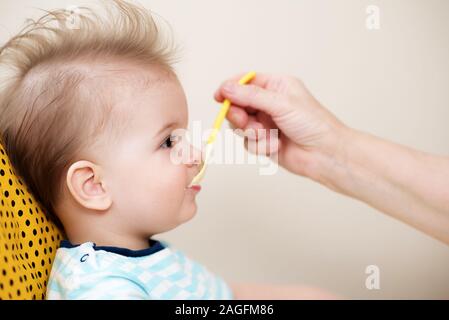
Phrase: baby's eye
{"type": "Point", "coordinates": [169, 142]}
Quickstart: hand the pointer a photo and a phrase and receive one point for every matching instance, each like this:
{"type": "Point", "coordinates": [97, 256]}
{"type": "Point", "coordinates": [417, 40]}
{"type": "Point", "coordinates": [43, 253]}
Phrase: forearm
{"type": "Point", "coordinates": [252, 291]}
{"type": "Point", "coordinates": [409, 185]}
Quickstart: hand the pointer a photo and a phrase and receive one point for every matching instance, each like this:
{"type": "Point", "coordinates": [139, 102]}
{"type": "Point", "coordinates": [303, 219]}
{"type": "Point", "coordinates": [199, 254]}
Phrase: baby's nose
{"type": "Point", "coordinates": [195, 158]}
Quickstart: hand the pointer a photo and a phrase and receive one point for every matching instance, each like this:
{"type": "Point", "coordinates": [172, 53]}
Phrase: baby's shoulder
{"type": "Point", "coordinates": [82, 272]}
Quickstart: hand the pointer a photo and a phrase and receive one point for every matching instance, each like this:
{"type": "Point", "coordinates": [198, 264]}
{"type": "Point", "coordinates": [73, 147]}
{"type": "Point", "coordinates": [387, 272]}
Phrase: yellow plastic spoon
{"type": "Point", "coordinates": [216, 128]}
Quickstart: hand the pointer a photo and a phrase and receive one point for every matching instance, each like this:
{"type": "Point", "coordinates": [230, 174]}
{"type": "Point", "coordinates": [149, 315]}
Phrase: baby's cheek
{"type": "Point", "coordinates": [175, 181]}
{"type": "Point", "coordinates": [157, 196]}
{"type": "Point", "coordinates": [170, 183]}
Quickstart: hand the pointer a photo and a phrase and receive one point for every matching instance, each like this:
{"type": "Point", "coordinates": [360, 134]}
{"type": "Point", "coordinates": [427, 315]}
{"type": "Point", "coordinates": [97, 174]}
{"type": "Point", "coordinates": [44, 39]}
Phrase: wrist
{"type": "Point", "coordinates": [329, 164]}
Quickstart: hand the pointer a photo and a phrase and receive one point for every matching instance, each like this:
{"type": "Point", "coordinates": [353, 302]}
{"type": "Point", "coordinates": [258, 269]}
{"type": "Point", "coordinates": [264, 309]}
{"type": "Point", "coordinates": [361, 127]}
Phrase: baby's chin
{"type": "Point", "coordinates": [187, 211]}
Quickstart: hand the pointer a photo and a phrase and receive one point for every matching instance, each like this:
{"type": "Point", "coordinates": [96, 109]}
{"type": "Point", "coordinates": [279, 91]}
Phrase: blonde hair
{"type": "Point", "coordinates": [42, 100]}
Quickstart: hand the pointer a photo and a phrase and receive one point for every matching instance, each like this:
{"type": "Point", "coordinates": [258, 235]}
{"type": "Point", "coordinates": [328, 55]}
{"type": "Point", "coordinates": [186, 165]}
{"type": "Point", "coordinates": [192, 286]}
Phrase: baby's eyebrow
{"type": "Point", "coordinates": [165, 127]}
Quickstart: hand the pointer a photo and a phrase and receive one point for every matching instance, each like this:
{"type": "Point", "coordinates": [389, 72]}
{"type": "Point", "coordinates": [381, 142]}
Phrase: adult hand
{"type": "Point", "coordinates": [306, 129]}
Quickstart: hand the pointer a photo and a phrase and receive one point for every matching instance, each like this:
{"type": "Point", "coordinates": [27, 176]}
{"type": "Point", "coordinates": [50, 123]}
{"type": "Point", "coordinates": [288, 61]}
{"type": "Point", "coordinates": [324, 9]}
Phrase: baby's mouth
{"type": "Point", "coordinates": [196, 188]}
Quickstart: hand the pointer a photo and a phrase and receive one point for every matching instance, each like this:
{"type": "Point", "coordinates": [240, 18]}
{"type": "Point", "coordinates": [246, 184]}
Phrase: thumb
{"type": "Point", "coordinates": [255, 97]}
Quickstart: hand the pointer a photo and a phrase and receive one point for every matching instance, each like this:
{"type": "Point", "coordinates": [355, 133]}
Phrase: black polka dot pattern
{"type": "Point", "coordinates": [28, 239]}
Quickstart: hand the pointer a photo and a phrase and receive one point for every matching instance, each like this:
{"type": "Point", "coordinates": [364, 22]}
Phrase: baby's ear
{"type": "Point", "coordinates": [85, 183]}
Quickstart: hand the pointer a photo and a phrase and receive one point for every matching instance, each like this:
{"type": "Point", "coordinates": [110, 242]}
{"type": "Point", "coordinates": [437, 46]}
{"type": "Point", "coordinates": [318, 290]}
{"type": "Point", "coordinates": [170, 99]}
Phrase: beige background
{"type": "Point", "coordinates": [392, 82]}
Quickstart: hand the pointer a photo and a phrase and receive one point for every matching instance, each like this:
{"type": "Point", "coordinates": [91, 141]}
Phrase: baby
{"type": "Point", "coordinates": [87, 120]}
{"type": "Point", "coordinates": [88, 108]}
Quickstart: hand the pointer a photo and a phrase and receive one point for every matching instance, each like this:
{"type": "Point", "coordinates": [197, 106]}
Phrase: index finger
{"type": "Point", "coordinates": [261, 80]}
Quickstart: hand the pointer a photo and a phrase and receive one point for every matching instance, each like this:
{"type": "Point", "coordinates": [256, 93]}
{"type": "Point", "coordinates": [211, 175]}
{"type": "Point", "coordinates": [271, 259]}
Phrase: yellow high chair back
{"type": "Point", "coordinates": [28, 239]}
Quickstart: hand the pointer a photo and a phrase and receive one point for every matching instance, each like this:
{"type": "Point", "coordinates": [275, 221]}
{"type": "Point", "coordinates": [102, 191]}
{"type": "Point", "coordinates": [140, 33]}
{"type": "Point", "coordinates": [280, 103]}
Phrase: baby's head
{"type": "Point", "coordinates": [87, 117]}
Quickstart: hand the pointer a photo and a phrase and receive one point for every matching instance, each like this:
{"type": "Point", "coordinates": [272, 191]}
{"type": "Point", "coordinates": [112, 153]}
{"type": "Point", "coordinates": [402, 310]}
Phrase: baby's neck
{"type": "Point", "coordinates": [104, 238]}
{"type": "Point", "coordinates": [101, 229]}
